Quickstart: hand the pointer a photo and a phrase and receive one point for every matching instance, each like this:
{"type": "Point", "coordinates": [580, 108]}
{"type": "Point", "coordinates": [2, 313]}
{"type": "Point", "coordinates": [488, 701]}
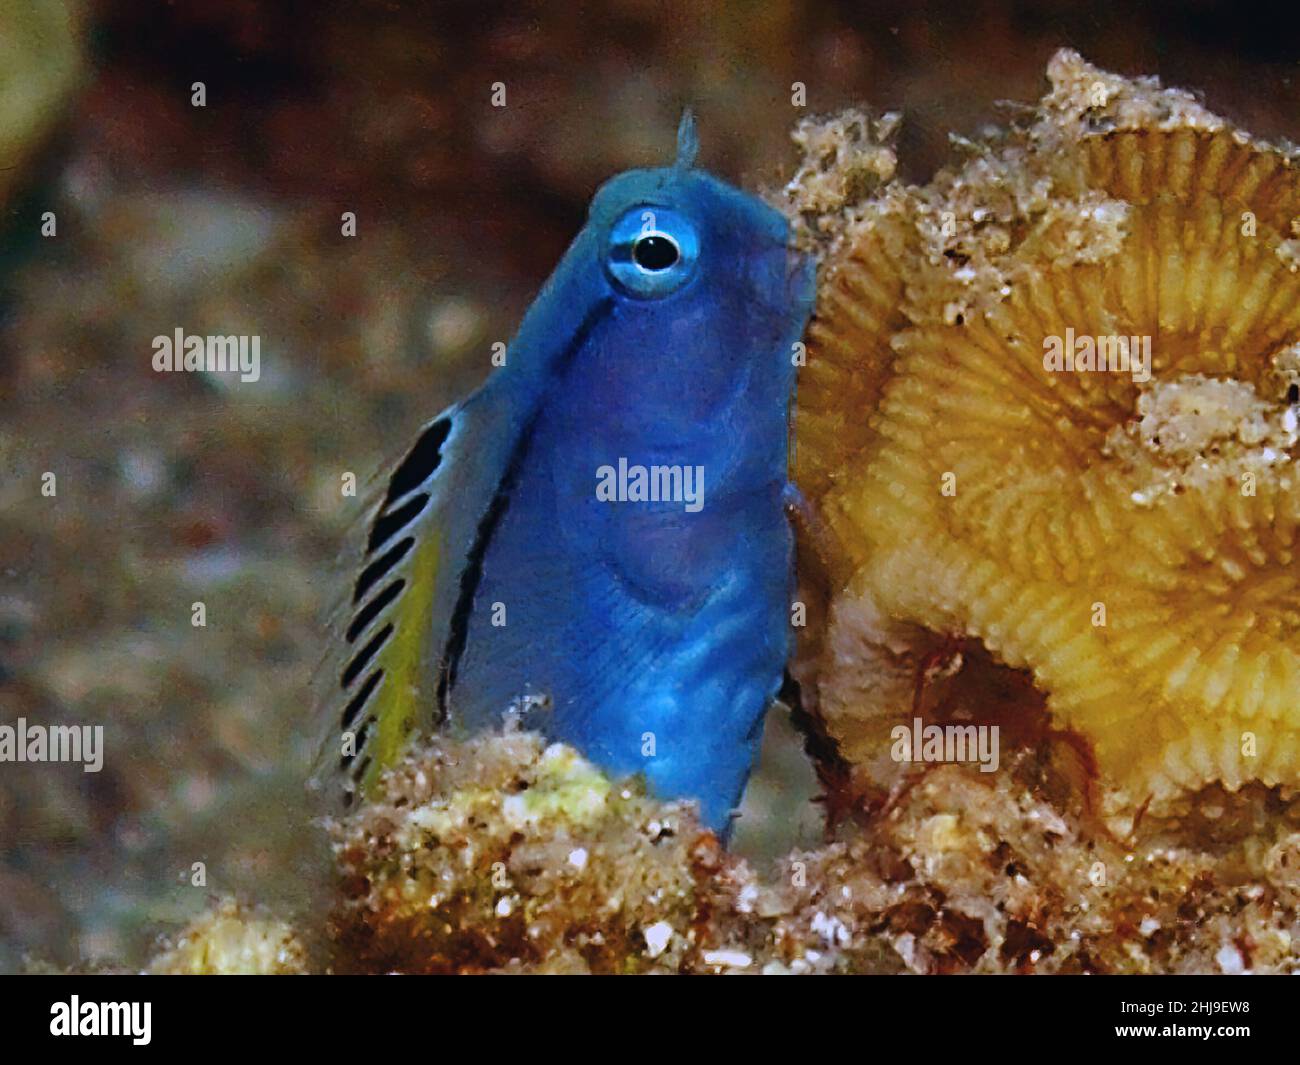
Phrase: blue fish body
{"type": "Point", "coordinates": [599, 542]}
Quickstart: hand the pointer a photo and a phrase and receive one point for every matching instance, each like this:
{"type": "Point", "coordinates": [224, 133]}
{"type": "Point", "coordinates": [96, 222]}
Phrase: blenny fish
{"type": "Point", "coordinates": [596, 540]}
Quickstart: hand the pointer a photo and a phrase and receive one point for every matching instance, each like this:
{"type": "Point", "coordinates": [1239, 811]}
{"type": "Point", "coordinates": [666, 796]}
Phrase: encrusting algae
{"type": "Point", "coordinates": [501, 853]}
{"type": "Point", "coordinates": [1049, 424]}
{"type": "Point", "coordinates": [232, 939]}
{"type": "Point", "coordinates": [504, 854]}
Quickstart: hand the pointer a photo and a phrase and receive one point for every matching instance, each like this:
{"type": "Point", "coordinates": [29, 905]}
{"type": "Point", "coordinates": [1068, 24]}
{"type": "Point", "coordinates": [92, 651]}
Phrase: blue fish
{"type": "Point", "coordinates": [596, 538]}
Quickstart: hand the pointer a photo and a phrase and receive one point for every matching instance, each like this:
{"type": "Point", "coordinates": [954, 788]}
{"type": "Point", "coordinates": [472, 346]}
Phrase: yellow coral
{"type": "Point", "coordinates": [1126, 537]}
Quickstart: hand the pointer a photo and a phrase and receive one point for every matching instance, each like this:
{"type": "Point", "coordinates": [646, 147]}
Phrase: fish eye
{"type": "Point", "coordinates": [655, 252]}
{"type": "Point", "coordinates": [652, 251]}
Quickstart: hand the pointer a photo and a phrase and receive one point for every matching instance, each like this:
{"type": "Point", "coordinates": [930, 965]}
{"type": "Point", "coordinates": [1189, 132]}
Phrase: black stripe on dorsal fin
{"type": "Point", "coordinates": [375, 572]}
{"type": "Point", "coordinates": [472, 574]}
{"type": "Point", "coordinates": [347, 760]}
{"type": "Point", "coordinates": [387, 525]}
{"type": "Point", "coordinates": [371, 610]}
{"type": "Point", "coordinates": [353, 708]}
{"type": "Point", "coordinates": [420, 462]}
{"type": "Point", "coordinates": [363, 656]}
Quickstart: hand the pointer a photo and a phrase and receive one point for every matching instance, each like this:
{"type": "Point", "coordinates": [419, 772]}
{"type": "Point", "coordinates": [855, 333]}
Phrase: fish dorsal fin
{"type": "Point", "coordinates": [397, 635]}
{"type": "Point", "coordinates": [381, 680]}
{"type": "Point", "coordinates": [688, 141]}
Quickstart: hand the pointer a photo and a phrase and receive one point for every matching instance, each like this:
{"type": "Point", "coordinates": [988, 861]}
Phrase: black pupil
{"type": "Point", "coordinates": [654, 253]}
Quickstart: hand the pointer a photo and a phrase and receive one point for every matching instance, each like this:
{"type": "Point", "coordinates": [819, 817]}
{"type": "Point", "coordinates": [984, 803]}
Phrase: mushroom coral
{"type": "Point", "coordinates": [1003, 529]}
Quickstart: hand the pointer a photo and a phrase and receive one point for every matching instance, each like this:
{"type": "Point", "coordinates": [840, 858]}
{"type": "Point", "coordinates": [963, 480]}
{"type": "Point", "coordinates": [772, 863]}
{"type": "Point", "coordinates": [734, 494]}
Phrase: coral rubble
{"type": "Point", "coordinates": [232, 939]}
{"type": "Point", "coordinates": [502, 854]}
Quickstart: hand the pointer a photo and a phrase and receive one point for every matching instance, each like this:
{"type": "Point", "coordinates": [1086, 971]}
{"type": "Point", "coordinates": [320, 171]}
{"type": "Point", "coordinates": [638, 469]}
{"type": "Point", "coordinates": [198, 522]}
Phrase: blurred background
{"type": "Point", "coordinates": [177, 489]}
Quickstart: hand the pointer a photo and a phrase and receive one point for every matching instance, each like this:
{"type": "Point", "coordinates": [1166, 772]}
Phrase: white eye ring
{"type": "Point", "coordinates": [653, 251]}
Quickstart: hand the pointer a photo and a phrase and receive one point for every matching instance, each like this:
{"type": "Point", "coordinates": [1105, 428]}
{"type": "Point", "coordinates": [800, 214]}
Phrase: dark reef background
{"type": "Point", "coordinates": [225, 219]}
